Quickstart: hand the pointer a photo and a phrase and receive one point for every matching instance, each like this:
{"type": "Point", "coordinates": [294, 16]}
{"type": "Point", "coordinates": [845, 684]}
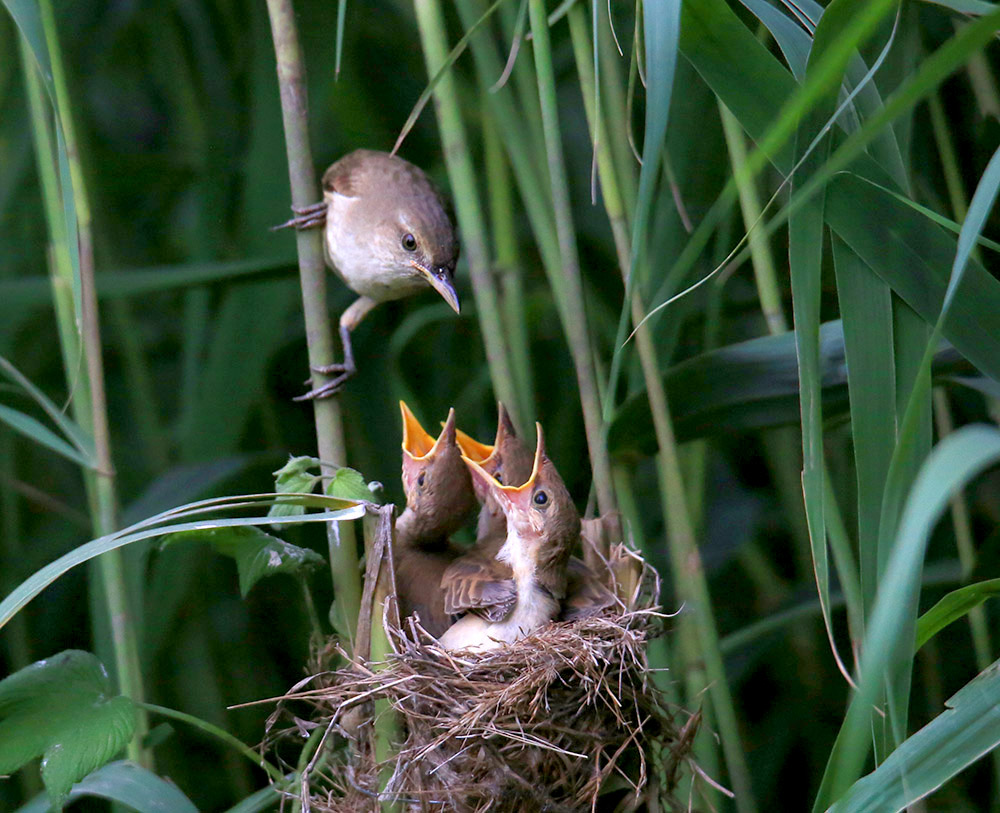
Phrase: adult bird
{"type": "Point", "coordinates": [439, 501]}
{"type": "Point", "coordinates": [478, 581]}
{"type": "Point", "coordinates": [387, 234]}
{"type": "Point", "coordinates": [542, 526]}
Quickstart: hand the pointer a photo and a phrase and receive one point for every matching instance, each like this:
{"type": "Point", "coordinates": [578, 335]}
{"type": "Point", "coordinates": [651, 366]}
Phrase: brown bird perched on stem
{"type": "Point", "coordinates": [387, 234]}
{"type": "Point", "coordinates": [439, 500]}
{"type": "Point", "coordinates": [542, 526]}
{"type": "Point", "coordinates": [477, 581]}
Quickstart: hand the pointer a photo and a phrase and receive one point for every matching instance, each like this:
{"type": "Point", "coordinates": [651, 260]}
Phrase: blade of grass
{"type": "Point", "coordinates": [866, 309]}
{"type": "Point", "coordinates": [953, 462]}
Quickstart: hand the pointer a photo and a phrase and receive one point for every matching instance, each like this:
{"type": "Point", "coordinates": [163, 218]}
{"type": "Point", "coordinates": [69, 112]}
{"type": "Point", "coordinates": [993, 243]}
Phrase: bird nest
{"type": "Point", "coordinates": [566, 719]}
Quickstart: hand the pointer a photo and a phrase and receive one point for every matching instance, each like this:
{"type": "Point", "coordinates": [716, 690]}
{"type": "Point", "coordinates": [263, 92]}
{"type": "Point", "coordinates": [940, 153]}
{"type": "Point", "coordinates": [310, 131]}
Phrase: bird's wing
{"type": "Point", "coordinates": [343, 176]}
{"type": "Point", "coordinates": [477, 583]}
{"type": "Point", "coordinates": [585, 595]}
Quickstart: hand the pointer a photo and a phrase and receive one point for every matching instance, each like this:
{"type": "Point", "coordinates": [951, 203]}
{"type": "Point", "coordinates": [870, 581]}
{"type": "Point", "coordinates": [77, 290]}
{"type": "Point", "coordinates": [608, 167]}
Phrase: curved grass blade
{"type": "Point", "coordinates": [951, 464]}
{"type": "Point", "coordinates": [446, 66]}
{"type": "Point", "coordinates": [83, 444]}
{"type": "Point", "coordinates": [42, 578]}
{"type": "Point", "coordinates": [965, 732]}
{"type": "Point", "coordinates": [42, 435]}
{"type": "Point", "coordinates": [952, 607]}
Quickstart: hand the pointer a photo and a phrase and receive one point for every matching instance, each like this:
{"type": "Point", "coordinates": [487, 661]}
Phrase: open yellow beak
{"type": "Point", "coordinates": [416, 442]}
{"type": "Point", "coordinates": [509, 496]}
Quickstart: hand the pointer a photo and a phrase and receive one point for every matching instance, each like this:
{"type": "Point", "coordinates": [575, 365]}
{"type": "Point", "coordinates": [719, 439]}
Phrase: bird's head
{"type": "Point", "coordinates": [400, 220]}
{"type": "Point", "coordinates": [508, 460]}
{"type": "Point", "coordinates": [540, 512]}
{"type": "Point", "coordinates": [437, 485]}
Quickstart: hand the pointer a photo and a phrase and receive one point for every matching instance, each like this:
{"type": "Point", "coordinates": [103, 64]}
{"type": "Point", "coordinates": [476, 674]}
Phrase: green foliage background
{"type": "Point", "coordinates": [178, 115]}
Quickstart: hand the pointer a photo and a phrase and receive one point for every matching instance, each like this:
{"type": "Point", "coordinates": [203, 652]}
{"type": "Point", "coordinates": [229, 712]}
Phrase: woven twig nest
{"type": "Point", "coordinates": [549, 723]}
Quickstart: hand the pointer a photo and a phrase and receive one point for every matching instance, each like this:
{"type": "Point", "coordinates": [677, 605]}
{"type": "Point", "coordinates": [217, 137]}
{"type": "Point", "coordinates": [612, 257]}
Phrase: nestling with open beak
{"type": "Point", "coordinates": [439, 501]}
{"type": "Point", "coordinates": [386, 233]}
{"type": "Point", "coordinates": [478, 581]}
{"type": "Point", "coordinates": [542, 526]}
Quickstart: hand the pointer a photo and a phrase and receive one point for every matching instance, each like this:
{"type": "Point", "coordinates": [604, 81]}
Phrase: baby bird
{"type": "Point", "coordinates": [542, 526]}
{"type": "Point", "coordinates": [480, 583]}
{"type": "Point", "coordinates": [439, 500]}
{"type": "Point", "coordinates": [387, 234]}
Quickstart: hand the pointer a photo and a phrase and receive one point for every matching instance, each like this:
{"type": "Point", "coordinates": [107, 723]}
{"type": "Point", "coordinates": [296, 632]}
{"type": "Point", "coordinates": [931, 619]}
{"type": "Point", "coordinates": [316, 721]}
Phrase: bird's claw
{"type": "Point", "coordinates": [306, 217]}
{"type": "Point", "coordinates": [330, 388]}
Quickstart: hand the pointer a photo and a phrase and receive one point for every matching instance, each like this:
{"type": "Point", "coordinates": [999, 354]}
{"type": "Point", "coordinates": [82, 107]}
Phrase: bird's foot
{"type": "Point", "coordinates": [306, 217]}
{"type": "Point", "coordinates": [330, 388]}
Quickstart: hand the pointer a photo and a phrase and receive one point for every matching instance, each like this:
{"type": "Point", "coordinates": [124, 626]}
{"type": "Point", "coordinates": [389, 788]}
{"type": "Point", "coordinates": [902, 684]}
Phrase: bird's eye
{"type": "Point", "coordinates": [541, 498]}
{"type": "Point", "coordinates": [498, 476]}
{"type": "Point", "coordinates": [420, 479]}
{"type": "Point", "coordinates": [409, 242]}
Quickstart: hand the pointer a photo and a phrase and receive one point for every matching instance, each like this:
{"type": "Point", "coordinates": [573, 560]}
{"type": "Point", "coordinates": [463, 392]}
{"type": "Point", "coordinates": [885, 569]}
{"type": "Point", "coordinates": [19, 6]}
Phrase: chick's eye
{"type": "Point", "coordinates": [409, 242]}
{"type": "Point", "coordinates": [541, 498]}
{"type": "Point", "coordinates": [421, 478]}
{"type": "Point", "coordinates": [498, 476]}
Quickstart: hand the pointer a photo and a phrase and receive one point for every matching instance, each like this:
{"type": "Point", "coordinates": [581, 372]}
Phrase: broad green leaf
{"type": "Point", "coordinates": [866, 307]}
{"type": "Point", "coordinates": [890, 634]}
{"type": "Point", "coordinates": [294, 476]}
{"type": "Point", "coordinates": [915, 431]}
{"type": "Point", "coordinates": [913, 256]}
{"type": "Point", "coordinates": [128, 784]}
{"type": "Point", "coordinates": [955, 605]}
{"type": "Point", "coordinates": [62, 709]}
{"type": "Point", "coordinates": [341, 510]}
{"type": "Point", "coordinates": [256, 553]}
{"type": "Point", "coordinates": [742, 387]}
{"type": "Point", "coordinates": [349, 484]}
{"type": "Point", "coordinates": [966, 731]}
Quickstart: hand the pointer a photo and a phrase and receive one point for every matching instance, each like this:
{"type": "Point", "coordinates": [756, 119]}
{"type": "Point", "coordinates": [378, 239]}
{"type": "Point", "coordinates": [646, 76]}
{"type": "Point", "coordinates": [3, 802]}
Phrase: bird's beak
{"type": "Point", "coordinates": [440, 279]}
{"type": "Point", "coordinates": [510, 498]}
{"type": "Point", "coordinates": [417, 444]}
{"type": "Point", "coordinates": [472, 448]}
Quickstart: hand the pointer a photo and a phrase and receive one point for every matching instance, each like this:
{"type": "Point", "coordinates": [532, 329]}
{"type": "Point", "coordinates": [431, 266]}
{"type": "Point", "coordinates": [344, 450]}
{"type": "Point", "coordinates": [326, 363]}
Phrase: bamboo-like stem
{"type": "Point", "coordinates": [312, 277]}
{"type": "Point", "coordinates": [575, 315]}
{"type": "Point", "coordinates": [699, 638]}
{"type": "Point", "coordinates": [763, 264]}
{"type": "Point", "coordinates": [508, 264]}
{"type": "Point", "coordinates": [379, 532]}
{"type": "Point", "coordinates": [468, 208]}
{"type": "Point", "coordinates": [104, 507]}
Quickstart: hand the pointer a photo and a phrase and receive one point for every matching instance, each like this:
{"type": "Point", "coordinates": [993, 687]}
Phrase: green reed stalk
{"type": "Point", "coordinates": [468, 208]}
{"type": "Point", "coordinates": [312, 277]}
{"type": "Point", "coordinates": [92, 417]}
{"type": "Point", "coordinates": [508, 264]}
{"type": "Point", "coordinates": [699, 638]}
{"type": "Point", "coordinates": [575, 322]}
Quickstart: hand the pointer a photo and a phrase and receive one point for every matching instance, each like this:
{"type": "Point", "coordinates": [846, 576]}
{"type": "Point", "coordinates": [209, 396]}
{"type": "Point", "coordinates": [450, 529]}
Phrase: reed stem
{"type": "Point", "coordinates": [575, 314]}
{"type": "Point", "coordinates": [468, 208]}
{"type": "Point", "coordinates": [90, 405]}
{"type": "Point", "coordinates": [312, 277]}
{"type": "Point", "coordinates": [699, 639]}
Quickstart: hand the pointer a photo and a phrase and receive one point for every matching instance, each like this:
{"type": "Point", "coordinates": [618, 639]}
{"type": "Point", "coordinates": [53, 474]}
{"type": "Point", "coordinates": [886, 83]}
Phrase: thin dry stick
{"type": "Point", "coordinates": [312, 275]}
